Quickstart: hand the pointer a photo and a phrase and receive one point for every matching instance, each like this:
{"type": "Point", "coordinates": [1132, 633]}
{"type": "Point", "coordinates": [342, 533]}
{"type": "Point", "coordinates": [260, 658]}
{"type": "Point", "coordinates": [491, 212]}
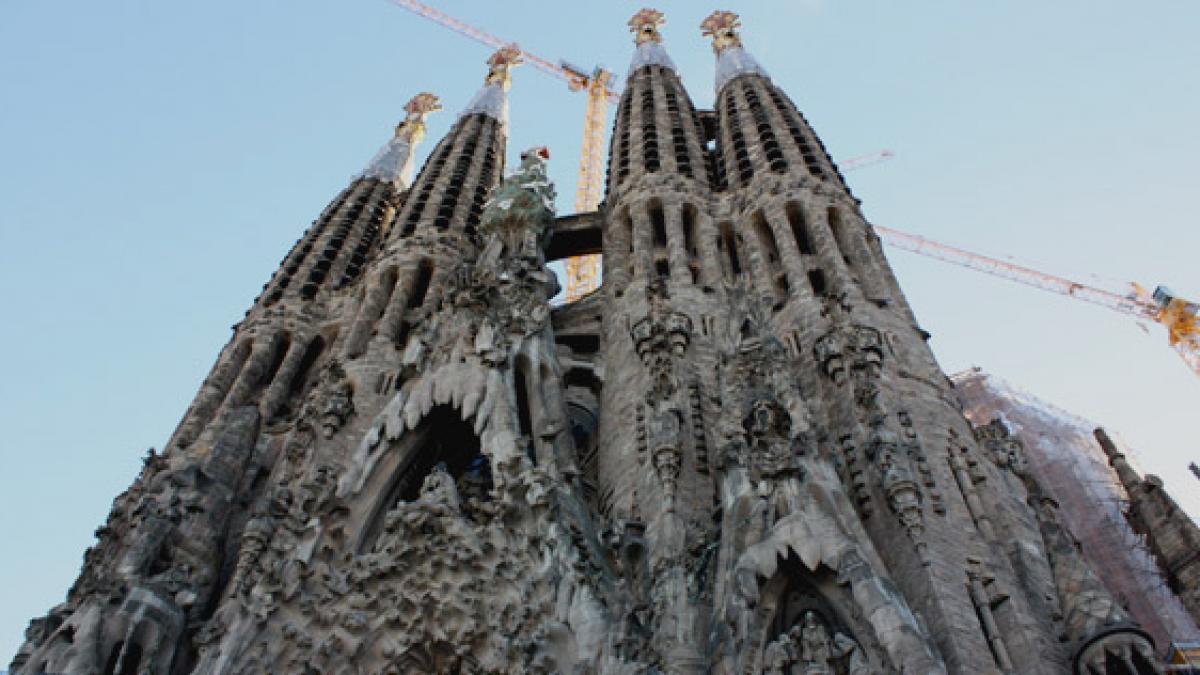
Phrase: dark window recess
{"type": "Point", "coordinates": [795, 123]}
{"type": "Point", "coordinates": [650, 157]}
{"type": "Point", "coordinates": [766, 134]}
{"type": "Point", "coordinates": [487, 179]}
{"type": "Point", "coordinates": [816, 279]}
{"type": "Point", "coordinates": [427, 181]}
{"type": "Point", "coordinates": [445, 441]}
{"type": "Point", "coordinates": [126, 657]}
{"type": "Point", "coordinates": [683, 160]}
{"type": "Point", "coordinates": [658, 224]}
{"type": "Point", "coordinates": [281, 349]}
{"type": "Point", "coordinates": [766, 237]}
{"type": "Point", "coordinates": [524, 413]}
{"type": "Point", "coordinates": [622, 155]}
{"type": "Point", "coordinates": [662, 269]}
{"type": "Point", "coordinates": [311, 354]}
{"type": "Point", "coordinates": [728, 244]}
{"type": "Point", "coordinates": [588, 343]}
{"type": "Point", "coordinates": [795, 216]}
{"type": "Point", "coordinates": [420, 287]}
{"type": "Point", "coordinates": [688, 216]}
{"type": "Point", "coordinates": [841, 237]}
{"type": "Point", "coordinates": [733, 127]}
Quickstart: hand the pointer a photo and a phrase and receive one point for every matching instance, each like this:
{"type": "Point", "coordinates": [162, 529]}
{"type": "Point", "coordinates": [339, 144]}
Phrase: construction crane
{"type": "Point", "coordinates": [583, 272]}
{"type": "Point", "coordinates": [1180, 317]}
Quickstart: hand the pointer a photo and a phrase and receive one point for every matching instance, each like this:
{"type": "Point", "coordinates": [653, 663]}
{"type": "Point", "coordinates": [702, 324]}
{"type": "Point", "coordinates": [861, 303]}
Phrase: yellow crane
{"type": "Point", "coordinates": [1162, 306]}
{"type": "Point", "coordinates": [1177, 315]}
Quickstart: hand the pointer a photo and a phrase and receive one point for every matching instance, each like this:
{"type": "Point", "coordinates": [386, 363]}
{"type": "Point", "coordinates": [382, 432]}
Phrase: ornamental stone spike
{"type": "Point", "coordinates": [395, 160]}
{"type": "Point", "coordinates": [732, 59]}
{"type": "Point", "coordinates": [492, 99]}
{"type": "Point", "coordinates": [644, 25]}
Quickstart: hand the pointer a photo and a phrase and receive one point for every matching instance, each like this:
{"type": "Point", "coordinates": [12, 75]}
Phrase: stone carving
{"type": "Point", "coordinates": [807, 648]}
{"type": "Point", "coordinates": [852, 355]}
{"type": "Point", "coordinates": [1005, 449]}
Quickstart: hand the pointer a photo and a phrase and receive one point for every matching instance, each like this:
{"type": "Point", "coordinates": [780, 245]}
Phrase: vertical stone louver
{"type": "Point", "coordinates": [653, 465]}
{"type": "Point", "coordinates": [385, 475]}
{"type": "Point", "coordinates": [437, 224]}
{"type": "Point", "coordinates": [275, 347]}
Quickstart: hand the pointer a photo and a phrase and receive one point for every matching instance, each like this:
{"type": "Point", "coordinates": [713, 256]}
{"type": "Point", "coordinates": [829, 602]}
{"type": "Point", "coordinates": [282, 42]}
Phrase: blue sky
{"type": "Point", "coordinates": [159, 159]}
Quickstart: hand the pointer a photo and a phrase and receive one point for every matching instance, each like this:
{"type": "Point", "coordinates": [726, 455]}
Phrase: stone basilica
{"type": "Point", "coordinates": [738, 455]}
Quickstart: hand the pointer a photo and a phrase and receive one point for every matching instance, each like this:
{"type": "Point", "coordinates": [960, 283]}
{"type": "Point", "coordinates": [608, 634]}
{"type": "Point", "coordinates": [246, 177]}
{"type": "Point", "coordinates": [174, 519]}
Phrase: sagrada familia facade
{"type": "Point", "coordinates": [738, 455]}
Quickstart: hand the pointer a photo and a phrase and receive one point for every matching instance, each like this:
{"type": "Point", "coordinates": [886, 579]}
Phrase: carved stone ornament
{"type": "Point", "coordinates": [808, 648]}
{"type": "Point", "coordinates": [660, 338]}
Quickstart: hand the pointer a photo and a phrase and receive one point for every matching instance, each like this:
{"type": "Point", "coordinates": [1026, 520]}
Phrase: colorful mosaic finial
{"type": "Point", "coordinates": [722, 27]}
{"type": "Point", "coordinates": [501, 62]}
{"type": "Point", "coordinates": [645, 24]}
{"type": "Point", "coordinates": [413, 126]}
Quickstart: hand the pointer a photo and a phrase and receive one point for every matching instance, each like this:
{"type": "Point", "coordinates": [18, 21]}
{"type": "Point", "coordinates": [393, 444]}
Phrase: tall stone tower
{"type": "Point", "coordinates": [737, 456]}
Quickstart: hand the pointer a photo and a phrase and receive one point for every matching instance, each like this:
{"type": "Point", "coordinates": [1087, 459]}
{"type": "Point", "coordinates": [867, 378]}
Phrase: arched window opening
{"type": "Point", "coordinates": [443, 440]}
{"type": "Point", "coordinates": [416, 208]}
{"type": "Point", "coordinates": [727, 242]}
{"type": "Point", "coordinates": [663, 269]}
{"type": "Point", "coordinates": [766, 135]}
{"type": "Point", "coordinates": [627, 229]}
{"type": "Point", "coordinates": [683, 160]}
{"type": "Point", "coordinates": [816, 279]}
{"type": "Point", "coordinates": [841, 236]}
{"type": "Point", "coordinates": [311, 354]}
{"type": "Point", "coordinates": [278, 353]}
{"type": "Point", "coordinates": [649, 132]}
{"type": "Point", "coordinates": [795, 216]}
{"type": "Point", "coordinates": [521, 382]}
{"type": "Point", "coordinates": [688, 215]}
{"type": "Point", "coordinates": [658, 224]}
{"type": "Point", "coordinates": [770, 249]}
{"type": "Point", "coordinates": [420, 287]}
{"type": "Point", "coordinates": [733, 125]}
{"type": "Point", "coordinates": [124, 660]}
{"type": "Point", "coordinates": [485, 183]}
{"type": "Point", "coordinates": [623, 146]}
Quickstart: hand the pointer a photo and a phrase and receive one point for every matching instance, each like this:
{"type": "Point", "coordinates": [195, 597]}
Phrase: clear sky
{"type": "Point", "coordinates": [158, 159]}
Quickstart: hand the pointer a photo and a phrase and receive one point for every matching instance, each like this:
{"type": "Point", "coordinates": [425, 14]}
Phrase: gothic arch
{"type": "Point", "coordinates": [792, 598]}
{"type": "Point", "coordinates": [443, 437]}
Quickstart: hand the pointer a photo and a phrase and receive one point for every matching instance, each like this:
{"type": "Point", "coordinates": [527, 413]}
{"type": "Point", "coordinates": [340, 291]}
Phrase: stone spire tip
{"type": "Point", "coordinates": [732, 59]}
{"type": "Point", "coordinates": [394, 161]}
{"type": "Point", "coordinates": [492, 99]}
{"type": "Point", "coordinates": [644, 25]}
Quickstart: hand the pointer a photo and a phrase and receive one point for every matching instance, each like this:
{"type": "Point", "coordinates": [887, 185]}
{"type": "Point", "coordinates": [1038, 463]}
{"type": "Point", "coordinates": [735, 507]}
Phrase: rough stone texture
{"type": "Point", "coordinates": [737, 456]}
{"type": "Point", "coordinates": [1172, 535]}
{"type": "Point", "coordinates": [1074, 470]}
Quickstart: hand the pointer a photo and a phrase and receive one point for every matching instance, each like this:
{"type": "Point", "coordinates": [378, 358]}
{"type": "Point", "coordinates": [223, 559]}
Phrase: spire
{"type": "Point", "coordinates": [394, 161]}
{"type": "Point", "coordinates": [644, 25]}
{"type": "Point", "coordinates": [492, 99]}
{"type": "Point", "coordinates": [732, 59]}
